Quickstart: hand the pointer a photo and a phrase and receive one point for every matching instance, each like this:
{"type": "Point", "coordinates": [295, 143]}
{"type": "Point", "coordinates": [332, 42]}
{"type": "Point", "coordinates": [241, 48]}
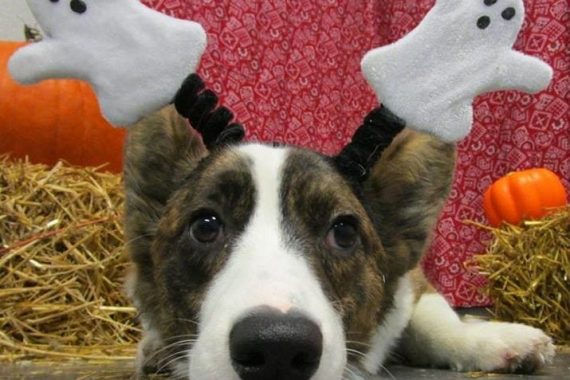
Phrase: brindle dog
{"type": "Point", "coordinates": [260, 262]}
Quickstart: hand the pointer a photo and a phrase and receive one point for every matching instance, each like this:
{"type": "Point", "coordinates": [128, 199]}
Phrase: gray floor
{"type": "Point", "coordinates": [560, 370]}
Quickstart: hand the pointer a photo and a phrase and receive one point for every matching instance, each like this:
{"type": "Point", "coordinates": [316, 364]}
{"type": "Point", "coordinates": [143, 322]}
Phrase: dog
{"type": "Point", "coordinates": [258, 262]}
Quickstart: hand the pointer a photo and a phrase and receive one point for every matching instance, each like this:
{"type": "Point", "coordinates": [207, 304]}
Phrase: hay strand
{"type": "Point", "coordinates": [528, 271]}
{"type": "Point", "coordinates": [62, 264]}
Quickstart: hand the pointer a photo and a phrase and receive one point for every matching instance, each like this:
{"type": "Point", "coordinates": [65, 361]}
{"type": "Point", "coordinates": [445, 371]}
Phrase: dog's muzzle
{"type": "Point", "coordinates": [270, 345]}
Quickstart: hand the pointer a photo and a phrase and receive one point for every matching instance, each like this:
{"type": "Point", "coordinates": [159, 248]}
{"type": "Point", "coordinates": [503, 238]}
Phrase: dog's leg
{"type": "Point", "coordinates": [436, 336]}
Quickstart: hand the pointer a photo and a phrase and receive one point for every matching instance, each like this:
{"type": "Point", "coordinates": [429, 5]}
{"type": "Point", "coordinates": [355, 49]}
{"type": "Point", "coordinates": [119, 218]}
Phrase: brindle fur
{"type": "Point", "coordinates": [169, 181]}
{"type": "Point", "coordinates": [158, 151]}
{"type": "Point", "coordinates": [405, 194]}
{"type": "Point", "coordinates": [313, 195]}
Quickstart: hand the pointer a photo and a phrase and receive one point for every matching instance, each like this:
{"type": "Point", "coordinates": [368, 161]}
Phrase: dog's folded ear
{"type": "Point", "coordinates": [163, 148]}
{"type": "Point", "coordinates": [405, 192]}
{"type": "Point", "coordinates": [160, 149]}
{"type": "Point", "coordinates": [403, 178]}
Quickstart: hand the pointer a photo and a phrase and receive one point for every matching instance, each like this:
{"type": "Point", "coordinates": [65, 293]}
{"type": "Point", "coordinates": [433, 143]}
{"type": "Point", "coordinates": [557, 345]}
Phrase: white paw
{"type": "Point", "coordinates": [504, 347]}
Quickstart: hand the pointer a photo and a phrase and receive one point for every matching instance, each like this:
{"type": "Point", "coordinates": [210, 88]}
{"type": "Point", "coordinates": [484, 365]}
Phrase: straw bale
{"type": "Point", "coordinates": [62, 264]}
{"type": "Point", "coordinates": [528, 271]}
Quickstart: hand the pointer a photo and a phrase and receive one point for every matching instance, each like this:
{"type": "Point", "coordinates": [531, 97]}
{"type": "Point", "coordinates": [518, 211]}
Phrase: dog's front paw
{"type": "Point", "coordinates": [506, 347]}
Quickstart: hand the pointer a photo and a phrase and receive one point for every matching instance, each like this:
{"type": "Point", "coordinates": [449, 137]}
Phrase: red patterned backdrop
{"type": "Point", "coordinates": [290, 71]}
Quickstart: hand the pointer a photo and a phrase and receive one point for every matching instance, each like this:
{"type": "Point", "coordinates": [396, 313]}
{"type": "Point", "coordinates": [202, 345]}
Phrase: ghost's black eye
{"type": "Point", "coordinates": [206, 229]}
{"type": "Point", "coordinates": [343, 235]}
{"type": "Point", "coordinates": [483, 22]}
{"type": "Point", "coordinates": [509, 13]}
{"type": "Point", "coordinates": [78, 6]}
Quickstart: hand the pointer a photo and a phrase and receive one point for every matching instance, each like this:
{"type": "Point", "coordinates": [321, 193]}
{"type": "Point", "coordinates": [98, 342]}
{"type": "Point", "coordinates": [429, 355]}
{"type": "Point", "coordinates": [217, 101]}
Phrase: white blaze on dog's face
{"type": "Point", "coordinates": [273, 239]}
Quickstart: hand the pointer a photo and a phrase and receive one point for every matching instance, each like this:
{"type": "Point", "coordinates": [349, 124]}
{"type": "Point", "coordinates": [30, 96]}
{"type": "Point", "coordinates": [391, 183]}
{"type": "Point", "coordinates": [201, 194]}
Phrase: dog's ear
{"type": "Point", "coordinates": [403, 179]}
{"type": "Point", "coordinates": [159, 149]}
{"type": "Point", "coordinates": [163, 147]}
{"type": "Point", "coordinates": [405, 192]}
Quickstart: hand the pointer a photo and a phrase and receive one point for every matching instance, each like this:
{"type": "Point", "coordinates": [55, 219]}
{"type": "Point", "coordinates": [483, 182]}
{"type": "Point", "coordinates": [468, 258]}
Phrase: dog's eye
{"type": "Point", "coordinates": [206, 229]}
{"type": "Point", "coordinates": [343, 235]}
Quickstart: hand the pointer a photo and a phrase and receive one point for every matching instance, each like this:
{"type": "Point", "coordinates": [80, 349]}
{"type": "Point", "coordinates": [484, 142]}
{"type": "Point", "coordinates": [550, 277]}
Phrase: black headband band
{"type": "Point", "coordinates": [214, 122]}
{"type": "Point", "coordinates": [376, 133]}
{"type": "Point", "coordinates": [200, 106]}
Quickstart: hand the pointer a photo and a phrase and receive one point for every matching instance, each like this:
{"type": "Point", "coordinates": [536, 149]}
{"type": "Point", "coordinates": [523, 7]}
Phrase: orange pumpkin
{"type": "Point", "coordinates": [53, 120]}
{"type": "Point", "coordinates": [527, 194]}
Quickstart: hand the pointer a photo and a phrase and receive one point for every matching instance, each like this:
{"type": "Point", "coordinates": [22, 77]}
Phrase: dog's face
{"type": "Point", "coordinates": [253, 262]}
{"type": "Point", "coordinates": [256, 232]}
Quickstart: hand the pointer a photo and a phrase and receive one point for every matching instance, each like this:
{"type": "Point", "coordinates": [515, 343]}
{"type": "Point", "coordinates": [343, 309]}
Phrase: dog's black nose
{"type": "Point", "coordinates": [271, 345]}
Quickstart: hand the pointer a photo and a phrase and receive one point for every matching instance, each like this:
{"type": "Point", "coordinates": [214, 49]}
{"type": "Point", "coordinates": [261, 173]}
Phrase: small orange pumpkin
{"type": "Point", "coordinates": [53, 120]}
{"type": "Point", "coordinates": [527, 194]}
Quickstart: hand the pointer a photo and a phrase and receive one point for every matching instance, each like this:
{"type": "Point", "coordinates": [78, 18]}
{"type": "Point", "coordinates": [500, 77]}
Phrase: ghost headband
{"type": "Point", "coordinates": [428, 79]}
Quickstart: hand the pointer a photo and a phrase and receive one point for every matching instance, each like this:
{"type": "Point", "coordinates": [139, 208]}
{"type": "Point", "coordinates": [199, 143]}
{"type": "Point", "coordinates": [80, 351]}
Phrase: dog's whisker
{"type": "Point", "coordinates": [184, 344]}
{"type": "Point", "coordinates": [189, 340]}
{"type": "Point", "coordinates": [351, 372]}
{"type": "Point", "coordinates": [181, 372]}
{"type": "Point", "coordinates": [181, 342]}
{"type": "Point", "coordinates": [168, 361]}
{"type": "Point", "coordinates": [348, 374]}
{"type": "Point", "coordinates": [164, 363]}
{"type": "Point", "coordinates": [172, 359]}
{"type": "Point", "coordinates": [355, 353]}
{"type": "Point", "coordinates": [187, 343]}
{"type": "Point", "coordinates": [155, 353]}
{"type": "Point", "coordinates": [383, 368]}
{"type": "Point", "coordinates": [359, 343]}
{"type": "Point", "coordinates": [189, 320]}
{"type": "Point", "coordinates": [185, 336]}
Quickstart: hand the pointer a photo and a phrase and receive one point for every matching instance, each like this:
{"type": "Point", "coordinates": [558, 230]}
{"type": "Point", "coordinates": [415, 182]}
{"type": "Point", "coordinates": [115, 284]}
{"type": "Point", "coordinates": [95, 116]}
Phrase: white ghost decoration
{"type": "Point", "coordinates": [461, 49]}
{"type": "Point", "coordinates": [134, 57]}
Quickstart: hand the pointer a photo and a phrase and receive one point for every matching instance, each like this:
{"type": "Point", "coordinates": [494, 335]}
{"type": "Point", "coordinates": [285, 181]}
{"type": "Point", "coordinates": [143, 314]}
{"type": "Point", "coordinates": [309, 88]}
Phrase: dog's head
{"type": "Point", "coordinates": [260, 262]}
